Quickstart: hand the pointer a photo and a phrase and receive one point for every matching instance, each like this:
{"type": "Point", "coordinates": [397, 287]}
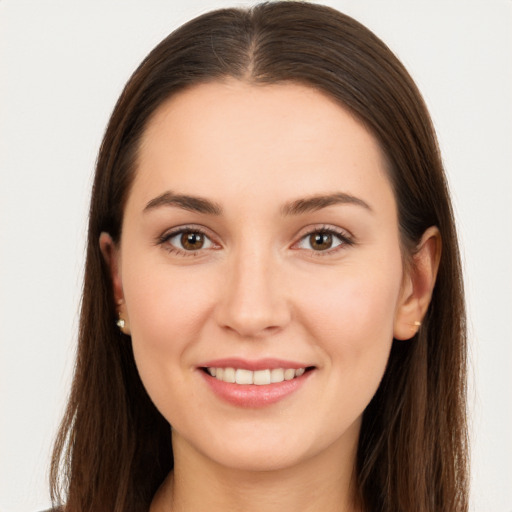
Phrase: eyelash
{"type": "Point", "coordinates": [344, 238]}
{"type": "Point", "coordinates": [164, 239]}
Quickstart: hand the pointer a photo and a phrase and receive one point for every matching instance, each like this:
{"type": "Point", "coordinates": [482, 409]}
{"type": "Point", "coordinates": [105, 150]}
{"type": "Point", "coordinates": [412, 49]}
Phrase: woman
{"type": "Point", "coordinates": [273, 309]}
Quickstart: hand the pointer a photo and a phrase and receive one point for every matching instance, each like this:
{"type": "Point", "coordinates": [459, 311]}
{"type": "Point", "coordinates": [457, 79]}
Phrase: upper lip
{"type": "Point", "coordinates": [256, 364]}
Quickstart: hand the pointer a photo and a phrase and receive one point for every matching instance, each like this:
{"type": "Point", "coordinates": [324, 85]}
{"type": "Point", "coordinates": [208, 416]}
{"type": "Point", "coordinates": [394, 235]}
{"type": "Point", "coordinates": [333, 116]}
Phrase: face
{"type": "Point", "coordinates": [260, 272]}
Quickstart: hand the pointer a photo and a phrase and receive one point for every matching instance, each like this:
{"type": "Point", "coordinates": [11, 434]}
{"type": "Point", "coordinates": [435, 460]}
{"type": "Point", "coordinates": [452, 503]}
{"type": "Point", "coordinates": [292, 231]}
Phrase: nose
{"type": "Point", "coordinates": [253, 301]}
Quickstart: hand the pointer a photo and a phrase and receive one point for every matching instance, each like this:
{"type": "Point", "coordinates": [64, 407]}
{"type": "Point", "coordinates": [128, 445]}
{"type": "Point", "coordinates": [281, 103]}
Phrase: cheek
{"type": "Point", "coordinates": [354, 302]}
{"type": "Point", "coordinates": [351, 323]}
{"type": "Point", "coordinates": [166, 308]}
{"type": "Point", "coordinates": [166, 312]}
{"type": "Point", "coordinates": [351, 318]}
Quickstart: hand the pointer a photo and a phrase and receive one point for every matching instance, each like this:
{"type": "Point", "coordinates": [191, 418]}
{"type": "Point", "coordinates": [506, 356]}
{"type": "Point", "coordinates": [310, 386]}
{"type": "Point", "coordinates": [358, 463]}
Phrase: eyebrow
{"type": "Point", "coordinates": [297, 207]}
{"type": "Point", "coordinates": [315, 203]}
{"type": "Point", "coordinates": [185, 202]}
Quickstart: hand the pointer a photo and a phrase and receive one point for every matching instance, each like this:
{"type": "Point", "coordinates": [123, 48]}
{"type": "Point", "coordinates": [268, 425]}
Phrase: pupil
{"type": "Point", "coordinates": [321, 241]}
{"type": "Point", "coordinates": [192, 240]}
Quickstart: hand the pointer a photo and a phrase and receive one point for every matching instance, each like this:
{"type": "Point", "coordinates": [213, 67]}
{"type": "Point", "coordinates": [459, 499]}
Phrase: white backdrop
{"type": "Point", "coordinates": [62, 66]}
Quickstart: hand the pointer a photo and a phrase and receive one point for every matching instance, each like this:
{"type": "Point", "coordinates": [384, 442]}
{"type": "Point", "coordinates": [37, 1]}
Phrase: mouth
{"type": "Point", "coordinates": [255, 384]}
{"type": "Point", "coordinates": [263, 377]}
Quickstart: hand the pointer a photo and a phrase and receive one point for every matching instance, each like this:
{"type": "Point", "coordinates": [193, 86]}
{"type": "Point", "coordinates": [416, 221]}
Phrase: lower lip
{"type": "Point", "coordinates": [253, 396]}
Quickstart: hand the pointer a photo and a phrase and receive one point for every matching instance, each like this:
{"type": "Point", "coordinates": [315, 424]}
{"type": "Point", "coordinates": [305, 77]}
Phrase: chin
{"type": "Point", "coordinates": [260, 459]}
{"type": "Point", "coordinates": [262, 448]}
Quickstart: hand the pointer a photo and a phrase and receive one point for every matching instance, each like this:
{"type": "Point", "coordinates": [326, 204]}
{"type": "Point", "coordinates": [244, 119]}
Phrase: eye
{"type": "Point", "coordinates": [186, 240]}
{"type": "Point", "coordinates": [323, 240]}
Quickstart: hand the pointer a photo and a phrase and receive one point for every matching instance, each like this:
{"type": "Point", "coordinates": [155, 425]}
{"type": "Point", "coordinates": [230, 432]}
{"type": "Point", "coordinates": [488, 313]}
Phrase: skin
{"type": "Point", "coordinates": [259, 288]}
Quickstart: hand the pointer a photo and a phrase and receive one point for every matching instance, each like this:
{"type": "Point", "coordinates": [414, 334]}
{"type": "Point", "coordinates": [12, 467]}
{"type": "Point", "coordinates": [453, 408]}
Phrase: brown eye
{"type": "Point", "coordinates": [187, 241]}
{"type": "Point", "coordinates": [320, 241]}
{"type": "Point", "coordinates": [323, 241]}
{"type": "Point", "coordinates": [192, 241]}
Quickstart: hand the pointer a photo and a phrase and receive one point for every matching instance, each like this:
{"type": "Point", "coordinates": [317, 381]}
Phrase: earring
{"type": "Point", "coordinates": [122, 324]}
{"type": "Point", "coordinates": [415, 326]}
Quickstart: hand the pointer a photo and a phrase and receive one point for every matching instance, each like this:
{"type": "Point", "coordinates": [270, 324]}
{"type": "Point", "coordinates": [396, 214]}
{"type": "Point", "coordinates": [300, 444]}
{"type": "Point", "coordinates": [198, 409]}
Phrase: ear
{"type": "Point", "coordinates": [111, 255]}
{"type": "Point", "coordinates": [418, 285]}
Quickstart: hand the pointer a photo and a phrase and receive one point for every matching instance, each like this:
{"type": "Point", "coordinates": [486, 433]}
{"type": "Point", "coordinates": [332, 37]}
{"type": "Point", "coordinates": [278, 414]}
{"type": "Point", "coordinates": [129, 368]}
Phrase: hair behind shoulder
{"type": "Point", "coordinates": [113, 449]}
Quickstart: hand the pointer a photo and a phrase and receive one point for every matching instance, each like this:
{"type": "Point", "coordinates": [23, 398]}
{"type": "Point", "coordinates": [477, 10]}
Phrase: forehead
{"type": "Point", "coordinates": [226, 137]}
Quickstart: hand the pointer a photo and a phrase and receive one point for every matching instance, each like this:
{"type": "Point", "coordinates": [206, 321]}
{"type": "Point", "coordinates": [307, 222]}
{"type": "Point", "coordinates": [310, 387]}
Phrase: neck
{"type": "Point", "coordinates": [324, 483]}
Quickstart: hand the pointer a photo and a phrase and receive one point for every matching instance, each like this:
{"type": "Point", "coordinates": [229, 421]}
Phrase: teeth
{"type": "Point", "coordinates": [244, 376]}
{"type": "Point", "coordinates": [289, 374]}
{"type": "Point", "coordinates": [258, 377]}
{"type": "Point", "coordinates": [229, 375]}
{"type": "Point", "coordinates": [262, 377]}
{"type": "Point", "coordinates": [276, 375]}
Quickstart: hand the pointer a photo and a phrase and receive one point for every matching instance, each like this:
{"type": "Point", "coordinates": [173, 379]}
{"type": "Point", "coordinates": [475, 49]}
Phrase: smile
{"type": "Point", "coordinates": [255, 384]}
{"type": "Point", "coordinates": [264, 377]}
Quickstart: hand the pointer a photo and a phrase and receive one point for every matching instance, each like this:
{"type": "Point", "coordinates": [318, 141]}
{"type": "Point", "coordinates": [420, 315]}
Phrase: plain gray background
{"type": "Point", "coordinates": [62, 66]}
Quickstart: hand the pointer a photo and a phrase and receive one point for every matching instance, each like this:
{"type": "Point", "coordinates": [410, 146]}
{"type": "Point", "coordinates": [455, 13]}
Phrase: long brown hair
{"type": "Point", "coordinates": [114, 448]}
